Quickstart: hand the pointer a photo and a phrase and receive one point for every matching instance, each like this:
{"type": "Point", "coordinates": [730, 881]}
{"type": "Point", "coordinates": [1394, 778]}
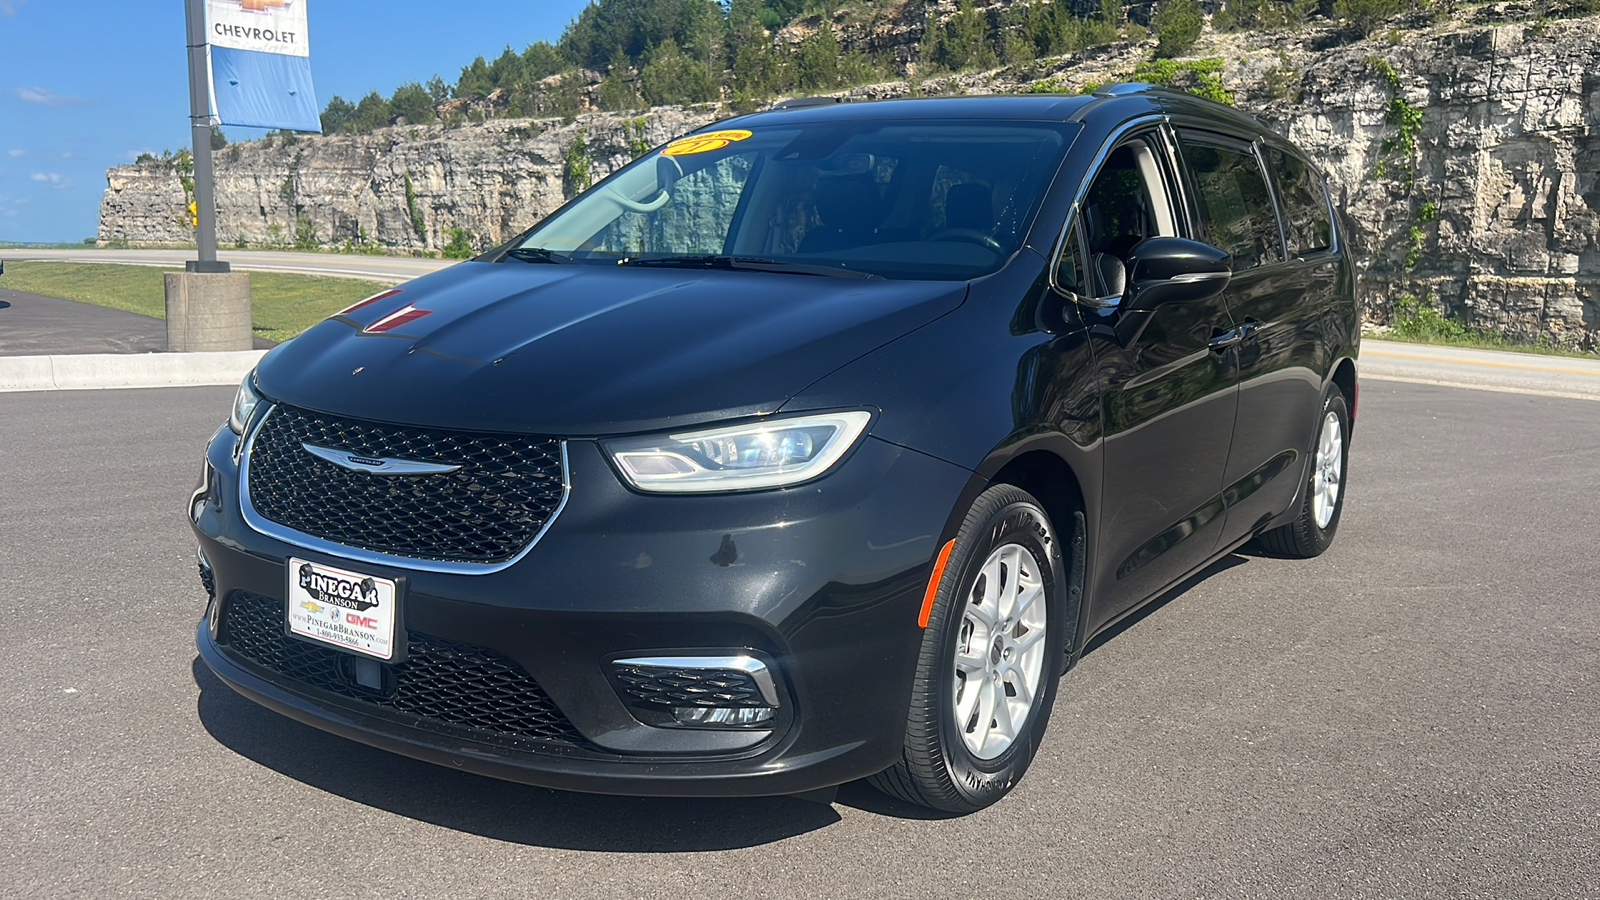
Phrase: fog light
{"type": "Point", "coordinates": [722, 715]}
{"type": "Point", "coordinates": [208, 579]}
{"type": "Point", "coordinates": [703, 691]}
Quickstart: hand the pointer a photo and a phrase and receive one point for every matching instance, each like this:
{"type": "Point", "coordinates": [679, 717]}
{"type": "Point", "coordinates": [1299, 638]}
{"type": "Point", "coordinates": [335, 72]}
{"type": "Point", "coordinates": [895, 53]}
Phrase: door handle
{"type": "Point", "coordinates": [1248, 329]}
{"type": "Point", "coordinates": [1223, 340]}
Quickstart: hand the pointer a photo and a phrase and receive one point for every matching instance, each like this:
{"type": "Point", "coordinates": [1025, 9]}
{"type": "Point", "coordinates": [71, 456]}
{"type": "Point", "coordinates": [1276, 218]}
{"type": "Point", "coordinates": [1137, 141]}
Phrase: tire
{"type": "Point", "coordinates": [1322, 495]}
{"type": "Point", "coordinates": [951, 760]}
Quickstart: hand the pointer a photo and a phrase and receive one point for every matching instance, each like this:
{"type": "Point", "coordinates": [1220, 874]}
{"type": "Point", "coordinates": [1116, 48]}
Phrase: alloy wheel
{"type": "Point", "coordinates": [1000, 651]}
{"type": "Point", "coordinates": [1328, 471]}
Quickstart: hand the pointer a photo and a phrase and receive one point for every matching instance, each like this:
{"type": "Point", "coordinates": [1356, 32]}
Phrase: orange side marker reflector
{"type": "Point", "coordinates": [933, 584]}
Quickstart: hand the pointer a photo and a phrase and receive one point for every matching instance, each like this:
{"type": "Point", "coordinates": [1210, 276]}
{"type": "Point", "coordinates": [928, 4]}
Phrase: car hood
{"type": "Point", "coordinates": [579, 350]}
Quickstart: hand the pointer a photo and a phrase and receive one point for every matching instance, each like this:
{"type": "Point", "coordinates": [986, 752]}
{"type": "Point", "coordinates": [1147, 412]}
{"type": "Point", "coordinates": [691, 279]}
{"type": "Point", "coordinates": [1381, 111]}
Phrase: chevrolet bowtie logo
{"type": "Point", "coordinates": [377, 465]}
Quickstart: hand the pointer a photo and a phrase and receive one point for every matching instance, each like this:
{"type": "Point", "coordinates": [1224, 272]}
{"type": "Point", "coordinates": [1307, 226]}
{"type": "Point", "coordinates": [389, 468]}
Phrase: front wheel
{"type": "Point", "coordinates": [1322, 495]}
{"type": "Point", "coordinates": [987, 671]}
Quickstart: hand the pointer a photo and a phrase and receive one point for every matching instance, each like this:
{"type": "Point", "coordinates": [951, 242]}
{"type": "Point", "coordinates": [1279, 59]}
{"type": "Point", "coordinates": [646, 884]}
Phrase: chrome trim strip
{"type": "Point", "coordinates": [755, 668]}
{"type": "Point", "coordinates": [1198, 277]}
{"type": "Point", "coordinates": [271, 529]}
{"type": "Point", "coordinates": [379, 465]}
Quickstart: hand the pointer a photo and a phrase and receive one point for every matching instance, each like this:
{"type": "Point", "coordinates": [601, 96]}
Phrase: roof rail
{"type": "Point", "coordinates": [803, 102]}
{"type": "Point", "coordinates": [1124, 89]}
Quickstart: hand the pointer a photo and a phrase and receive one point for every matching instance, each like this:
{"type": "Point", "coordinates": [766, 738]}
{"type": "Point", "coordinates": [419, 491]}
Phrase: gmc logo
{"type": "Point", "coordinates": [361, 621]}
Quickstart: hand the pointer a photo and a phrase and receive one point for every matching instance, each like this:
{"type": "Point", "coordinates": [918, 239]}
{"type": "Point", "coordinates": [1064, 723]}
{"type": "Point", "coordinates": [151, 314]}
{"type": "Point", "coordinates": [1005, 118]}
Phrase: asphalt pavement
{"type": "Point", "coordinates": [1415, 714]}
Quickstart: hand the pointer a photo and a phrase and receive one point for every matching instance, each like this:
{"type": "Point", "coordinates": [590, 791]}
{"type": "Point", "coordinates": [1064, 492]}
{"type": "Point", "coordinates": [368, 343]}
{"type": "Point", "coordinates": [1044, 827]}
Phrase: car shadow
{"type": "Point", "coordinates": [1167, 596]}
{"type": "Point", "coordinates": [488, 807]}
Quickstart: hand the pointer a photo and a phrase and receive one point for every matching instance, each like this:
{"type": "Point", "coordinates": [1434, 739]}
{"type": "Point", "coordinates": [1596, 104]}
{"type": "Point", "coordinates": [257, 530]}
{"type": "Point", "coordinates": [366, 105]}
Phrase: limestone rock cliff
{"type": "Point", "coordinates": [400, 188]}
{"type": "Point", "coordinates": [1466, 155]}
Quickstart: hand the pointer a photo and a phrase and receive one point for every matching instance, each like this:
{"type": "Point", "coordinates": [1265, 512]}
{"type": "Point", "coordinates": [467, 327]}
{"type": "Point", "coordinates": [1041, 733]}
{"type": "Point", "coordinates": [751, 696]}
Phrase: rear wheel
{"type": "Point", "coordinates": [1322, 496]}
{"type": "Point", "coordinates": [991, 654]}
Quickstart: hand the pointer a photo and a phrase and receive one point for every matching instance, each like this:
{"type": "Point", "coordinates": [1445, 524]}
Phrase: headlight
{"type": "Point", "coordinates": [741, 457]}
{"type": "Point", "coordinates": [244, 404]}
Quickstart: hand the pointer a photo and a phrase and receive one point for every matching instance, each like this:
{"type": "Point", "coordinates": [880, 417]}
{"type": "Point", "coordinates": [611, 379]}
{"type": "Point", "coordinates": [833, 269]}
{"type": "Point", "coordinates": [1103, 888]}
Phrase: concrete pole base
{"type": "Point", "coordinates": [208, 311]}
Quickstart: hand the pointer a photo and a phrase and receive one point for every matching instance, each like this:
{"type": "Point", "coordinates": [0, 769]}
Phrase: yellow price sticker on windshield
{"type": "Point", "coordinates": [701, 143]}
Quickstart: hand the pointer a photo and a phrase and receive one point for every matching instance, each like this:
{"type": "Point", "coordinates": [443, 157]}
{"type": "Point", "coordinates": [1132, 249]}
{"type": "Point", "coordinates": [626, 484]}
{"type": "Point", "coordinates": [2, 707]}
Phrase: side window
{"type": "Point", "coordinates": [1126, 203]}
{"type": "Point", "coordinates": [1236, 212]}
{"type": "Point", "coordinates": [1071, 273]}
{"type": "Point", "coordinates": [1305, 204]}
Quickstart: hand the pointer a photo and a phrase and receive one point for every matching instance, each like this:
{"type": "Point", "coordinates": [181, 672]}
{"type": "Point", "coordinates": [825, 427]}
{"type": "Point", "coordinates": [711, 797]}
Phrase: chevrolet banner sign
{"type": "Point", "coordinates": [261, 64]}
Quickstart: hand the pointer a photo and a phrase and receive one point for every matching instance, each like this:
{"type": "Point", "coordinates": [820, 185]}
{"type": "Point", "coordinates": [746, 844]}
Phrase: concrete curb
{"type": "Point", "coordinates": [100, 371]}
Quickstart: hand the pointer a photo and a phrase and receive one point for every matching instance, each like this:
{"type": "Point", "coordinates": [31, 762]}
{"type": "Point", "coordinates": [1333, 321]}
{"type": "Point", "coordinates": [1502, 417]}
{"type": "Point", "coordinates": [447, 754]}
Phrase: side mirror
{"type": "Point", "coordinates": [1166, 270]}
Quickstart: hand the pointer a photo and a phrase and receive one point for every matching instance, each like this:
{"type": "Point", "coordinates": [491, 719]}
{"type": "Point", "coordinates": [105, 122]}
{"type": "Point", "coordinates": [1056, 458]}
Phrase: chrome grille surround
{"type": "Point", "coordinates": [258, 521]}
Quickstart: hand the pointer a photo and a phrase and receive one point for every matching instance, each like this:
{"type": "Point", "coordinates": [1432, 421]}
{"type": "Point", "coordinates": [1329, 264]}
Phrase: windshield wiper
{"type": "Point", "coordinates": [537, 255]}
{"type": "Point", "coordinates": [745, 263]}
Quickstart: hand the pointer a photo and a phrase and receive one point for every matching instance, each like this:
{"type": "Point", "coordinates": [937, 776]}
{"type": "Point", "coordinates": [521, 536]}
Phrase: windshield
{"type": "Point", "coordinates": [948, 200]}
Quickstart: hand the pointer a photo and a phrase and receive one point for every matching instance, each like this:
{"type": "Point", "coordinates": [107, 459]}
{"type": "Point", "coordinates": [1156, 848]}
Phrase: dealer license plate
{"type": "Point", "coordinates": [350, 610]}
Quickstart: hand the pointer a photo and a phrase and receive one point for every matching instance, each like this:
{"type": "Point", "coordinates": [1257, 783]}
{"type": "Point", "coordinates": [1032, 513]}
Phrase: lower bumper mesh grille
{"type": "Point", "coordinates": [461, 689]}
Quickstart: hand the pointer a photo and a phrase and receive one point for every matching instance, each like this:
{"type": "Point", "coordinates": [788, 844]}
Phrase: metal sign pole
{"type": "Point", "coordinates": [200, 131]}
{"type": "Point", "coordinates": [208, 307]}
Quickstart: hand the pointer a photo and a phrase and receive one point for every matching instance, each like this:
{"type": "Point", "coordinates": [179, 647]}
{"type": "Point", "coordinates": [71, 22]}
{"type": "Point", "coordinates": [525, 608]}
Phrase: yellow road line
{"type": "Point", "coordinates": [1479, 362]}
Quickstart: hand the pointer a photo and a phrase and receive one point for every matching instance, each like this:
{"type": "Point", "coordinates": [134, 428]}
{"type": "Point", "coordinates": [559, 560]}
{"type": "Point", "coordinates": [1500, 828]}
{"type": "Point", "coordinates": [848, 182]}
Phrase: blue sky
{"type": "Point", "coordinates": [89, 84]}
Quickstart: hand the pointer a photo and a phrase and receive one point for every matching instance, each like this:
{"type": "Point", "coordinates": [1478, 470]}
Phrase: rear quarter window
{"type": "Point", "coordinates": [1307, 221]}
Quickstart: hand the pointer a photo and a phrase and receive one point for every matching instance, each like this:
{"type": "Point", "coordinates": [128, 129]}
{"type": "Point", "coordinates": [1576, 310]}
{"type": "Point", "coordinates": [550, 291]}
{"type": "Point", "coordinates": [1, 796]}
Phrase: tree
{"type": "Point", "coordinates": [1367, 15]}
{"type": "Point", "coordinates": [1177, 25]}
{"type": "Point", "coordinates": [963, 41]}
{"type": "Point", "coordinates": [339, 116]}
{"type": "Point", "coordinates": [635, 27]}
{"type": "Point", "coordinates": [412, 103]}
{"type": "Point", "coordinates": [541, 60]}
{"type": "Point", "coordinates": [370, 114]}
{"type": "Point", "coordinates": [438, 91]}
{"type": "Point", "coordinates": [218, 139]}
{"type": "Point", "coordinates": [816, 63]}
{"type": "Point", "coordinates": [475, 80]}
{"type": "Point", "coordinates": [617, 91]}
{"type": "Point", "coordinates": [671, 77]}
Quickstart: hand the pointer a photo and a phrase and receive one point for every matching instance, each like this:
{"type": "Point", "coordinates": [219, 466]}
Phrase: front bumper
{"type": "Point", "coordinates": [822, 581]}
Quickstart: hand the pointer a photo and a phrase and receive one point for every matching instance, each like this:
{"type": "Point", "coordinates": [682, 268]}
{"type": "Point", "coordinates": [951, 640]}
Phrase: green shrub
{"type": "Point", "coordinates": [1177, 25]}
{"type": "Point", "coordinates": [577, 167]}
{"type": "Point", "coordinates": [1201, 77]}
{"type": "Point", "coordinates": [1367, 15]}
{"type": "Point", "coordinates": [305, 233]}
{"type": "Point", "coordinates": [1417, 319]}
{"type": "Point", "coordinates": [460, 245]}
{"type": "Point", "coordinates": [413, 212]}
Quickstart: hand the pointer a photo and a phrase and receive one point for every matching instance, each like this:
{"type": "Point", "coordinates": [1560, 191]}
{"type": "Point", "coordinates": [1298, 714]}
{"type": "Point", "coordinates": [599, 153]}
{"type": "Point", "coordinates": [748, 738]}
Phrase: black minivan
{"type": "Point", "coordinates": [810, 447]}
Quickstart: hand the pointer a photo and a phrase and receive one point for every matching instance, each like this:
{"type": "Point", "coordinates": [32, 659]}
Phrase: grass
{"type": "Point", "coordinates": [282, 304]}
{"type": "Point", "coordinates": [1418, 321]}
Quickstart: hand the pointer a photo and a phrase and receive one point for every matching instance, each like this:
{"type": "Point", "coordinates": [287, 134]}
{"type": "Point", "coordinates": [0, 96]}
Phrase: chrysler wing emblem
{"type": "Point", "coordinates": [376, 465]}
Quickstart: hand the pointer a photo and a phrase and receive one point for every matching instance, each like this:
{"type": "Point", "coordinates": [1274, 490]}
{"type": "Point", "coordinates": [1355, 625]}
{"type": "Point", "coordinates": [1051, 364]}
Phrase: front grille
{"type": "Point", "coordinates": [682, 687]}
{"type": "Point", "coordinates": [458, 687]}
{"type": "Point", "coordinates": [487, 511]}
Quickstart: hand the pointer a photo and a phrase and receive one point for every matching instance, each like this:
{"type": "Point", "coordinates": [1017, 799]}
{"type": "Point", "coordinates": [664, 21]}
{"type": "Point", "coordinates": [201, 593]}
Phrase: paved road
{"type": "Point", "coordinates": [1495, 370]}
{"type": "Point", "coordinates": [36, 325]}
{"type": "Point", "coordinates": [378, 268]}
{"type": "Point", "coordinates": [1414, 714]}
